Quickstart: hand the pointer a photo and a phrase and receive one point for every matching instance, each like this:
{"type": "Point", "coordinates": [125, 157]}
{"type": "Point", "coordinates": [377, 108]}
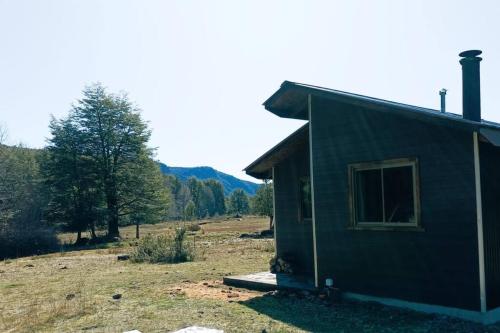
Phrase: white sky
{"type": "Point", "coordinates": [200, 70]}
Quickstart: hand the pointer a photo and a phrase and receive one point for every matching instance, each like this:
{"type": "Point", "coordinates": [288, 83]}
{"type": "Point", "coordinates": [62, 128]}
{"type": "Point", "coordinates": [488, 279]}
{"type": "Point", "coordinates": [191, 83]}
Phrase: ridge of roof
{"type": "Point", "coordinates": [289, 85]}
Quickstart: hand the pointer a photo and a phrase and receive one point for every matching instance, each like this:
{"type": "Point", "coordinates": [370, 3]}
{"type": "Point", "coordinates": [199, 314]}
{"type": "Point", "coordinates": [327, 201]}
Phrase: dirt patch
{"type": "Point", "coordinates": [213, 289]}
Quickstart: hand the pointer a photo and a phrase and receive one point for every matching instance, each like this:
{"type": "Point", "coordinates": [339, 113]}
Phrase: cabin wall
{"type": "Point", "coordinates": [490, 191]}
{"type": "Point", "coordinates": [438, 265]}
{"type": "Point", "coordinates": [293, 237]}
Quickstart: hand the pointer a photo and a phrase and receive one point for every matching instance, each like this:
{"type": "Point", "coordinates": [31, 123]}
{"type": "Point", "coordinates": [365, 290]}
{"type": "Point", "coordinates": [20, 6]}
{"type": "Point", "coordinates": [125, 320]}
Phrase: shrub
{"type": "Point", "coordinates": [22, 203]}
{"type": "Point", "coordinates": [24, 239]}
{"type": "Point", "coordinates": [163, 249]}
{"type": "Point", "coordinates": [193, 227]}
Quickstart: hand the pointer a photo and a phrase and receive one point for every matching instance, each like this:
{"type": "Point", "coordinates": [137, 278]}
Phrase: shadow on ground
{"type": "Point", "coordinates": [350, 316]}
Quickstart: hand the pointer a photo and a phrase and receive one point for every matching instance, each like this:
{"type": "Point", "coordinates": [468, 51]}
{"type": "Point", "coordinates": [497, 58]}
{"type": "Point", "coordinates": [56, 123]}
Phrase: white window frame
{"type": "Point", "coordinates": [381, 165]}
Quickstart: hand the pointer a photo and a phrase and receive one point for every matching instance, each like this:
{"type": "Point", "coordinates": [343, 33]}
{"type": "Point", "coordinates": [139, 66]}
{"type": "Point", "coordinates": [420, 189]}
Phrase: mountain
{"type": "Point", "coordinates": [230, 183]}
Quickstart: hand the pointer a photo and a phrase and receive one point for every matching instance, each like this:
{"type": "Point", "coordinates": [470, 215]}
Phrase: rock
{"type": "Point", "coordinates": [269, 233]}
{"type": "Point", "coordinates": [123, 257]}
{"type": "Point", "coordinates": [117, 296]}
{"type": "Point", "coordinates": [70, 296]}
{"type": "Point", "coordinates": [281, 293]}
{"type": "Point", "coordinates": [279, 265]}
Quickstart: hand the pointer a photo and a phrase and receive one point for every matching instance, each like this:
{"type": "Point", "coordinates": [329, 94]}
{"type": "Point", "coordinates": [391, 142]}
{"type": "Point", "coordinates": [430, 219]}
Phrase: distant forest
{"type": "Point", "coordinates": [229, 182]}
{"type": "Point", "coordinates": [98, 173]}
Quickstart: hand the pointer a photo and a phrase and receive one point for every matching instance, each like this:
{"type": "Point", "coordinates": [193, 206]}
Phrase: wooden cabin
{"type": "Point", "coordinates": [396, 203]}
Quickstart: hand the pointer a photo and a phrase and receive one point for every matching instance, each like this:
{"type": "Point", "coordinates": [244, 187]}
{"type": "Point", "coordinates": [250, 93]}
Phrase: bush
{"type": "Point", "coordinates": [193, 227]}
{"type": "Point", "coordinates": [163, 249]}
{"type": "Point", "coordinates": [20, 239]}
{"type": "Point", "coordinates": [22, 203]}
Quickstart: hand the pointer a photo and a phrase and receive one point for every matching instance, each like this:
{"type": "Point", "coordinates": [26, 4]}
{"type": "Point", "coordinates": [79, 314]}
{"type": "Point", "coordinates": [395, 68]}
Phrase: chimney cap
{"type": "Point", "coordinates": [470, 53]}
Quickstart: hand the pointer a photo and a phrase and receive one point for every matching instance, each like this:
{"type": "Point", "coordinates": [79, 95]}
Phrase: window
{"type": "Point", "coordinates": [384, 194]}
{"type": "Point", "coordinates": [305, 199]}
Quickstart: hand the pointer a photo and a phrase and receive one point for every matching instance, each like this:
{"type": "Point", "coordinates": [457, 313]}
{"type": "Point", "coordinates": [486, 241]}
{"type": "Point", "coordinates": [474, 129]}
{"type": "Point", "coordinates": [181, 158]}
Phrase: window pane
{"type": "Point", "coordinates": [305, 198]}
{"type": "Point", "coordinates": [398, 195]}
{"type": "Point", "coordinates": [369, 196]}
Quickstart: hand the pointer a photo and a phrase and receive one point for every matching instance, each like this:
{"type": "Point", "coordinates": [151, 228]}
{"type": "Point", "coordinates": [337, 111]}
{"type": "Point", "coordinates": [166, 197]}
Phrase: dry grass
{"type": "Point", "coordinates": [72, 292]}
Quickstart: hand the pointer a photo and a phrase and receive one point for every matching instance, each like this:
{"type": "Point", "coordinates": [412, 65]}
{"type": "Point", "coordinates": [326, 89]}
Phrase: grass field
{"type": "Point", "coordinates": [72, 292]}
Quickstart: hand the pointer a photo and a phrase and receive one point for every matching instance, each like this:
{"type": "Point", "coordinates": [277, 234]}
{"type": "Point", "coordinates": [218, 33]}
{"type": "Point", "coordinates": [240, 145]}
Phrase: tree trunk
{"type": "Point", "coordinates": [92, 230]}
{"type": "Point", "coordinates": [113, 224]}
{"type": "Point", "coordinates": [112, 203]}
{"type": "Point", "coordinates": [78, 237]}
{"type": "Point", "coordinates": [137, 229]}
{"type": "Point", "coordinates": [271, 222]}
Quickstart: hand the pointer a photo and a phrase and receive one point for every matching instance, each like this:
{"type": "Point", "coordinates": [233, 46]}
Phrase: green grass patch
{"type": "Point", "coordinates": [12, 285]}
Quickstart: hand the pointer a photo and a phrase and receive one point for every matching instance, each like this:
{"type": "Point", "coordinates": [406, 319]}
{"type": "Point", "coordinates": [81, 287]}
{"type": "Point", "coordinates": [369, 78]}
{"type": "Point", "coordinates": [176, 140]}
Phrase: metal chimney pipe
{"type": "Point", "coordinates": [442, 93]}
{"type": "Point", "coordinates": [471, 92]}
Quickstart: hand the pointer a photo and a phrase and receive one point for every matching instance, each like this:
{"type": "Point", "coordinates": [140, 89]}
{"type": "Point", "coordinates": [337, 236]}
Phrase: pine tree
{"type": "Point", "coordinates": [218, 195]}
{"type": "Point", "coordinates": [238, 201]}
{"type": "Point", "coordinates": [262, 202]}
{"type": "Point", "coordinates": [111, 140]}
{"type": "Point", "coordinates": [72, 180]}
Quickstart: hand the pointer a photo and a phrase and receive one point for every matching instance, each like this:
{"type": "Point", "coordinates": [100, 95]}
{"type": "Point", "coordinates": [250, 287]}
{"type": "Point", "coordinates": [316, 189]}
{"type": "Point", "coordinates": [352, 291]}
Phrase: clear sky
{"type": "Point", "coordinates": [200, 70]}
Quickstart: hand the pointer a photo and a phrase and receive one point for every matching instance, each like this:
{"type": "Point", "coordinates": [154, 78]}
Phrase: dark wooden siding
{"type": "Point", "coordinates": [436, 266]}
{"type": "Point", "coordinates": [490, 189]}
{"type": "Point", "coordinates": [293, 237]}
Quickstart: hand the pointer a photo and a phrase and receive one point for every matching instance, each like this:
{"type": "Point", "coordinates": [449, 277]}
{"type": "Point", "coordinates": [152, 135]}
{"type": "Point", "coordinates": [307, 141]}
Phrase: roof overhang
{"type": "Point", "coordinates": [261, 168]}
{"type": "Point", "coordinates": [491, 135]}
{"type": "Point", "coordinates": [291, 100]}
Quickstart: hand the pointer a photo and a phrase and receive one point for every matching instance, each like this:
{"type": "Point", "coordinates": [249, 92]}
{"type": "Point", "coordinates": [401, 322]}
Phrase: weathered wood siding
{"type": "Point", "coordinates": [436, 266]}
{"type": "Point", "coordinates": [490, 191]}
{"type": "Point", "coordinates": [293, 237]}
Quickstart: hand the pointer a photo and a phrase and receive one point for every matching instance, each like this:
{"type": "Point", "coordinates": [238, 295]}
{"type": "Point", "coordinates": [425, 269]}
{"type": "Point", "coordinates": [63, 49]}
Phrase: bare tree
{"type": "Point", "coordinates": [3, 134]}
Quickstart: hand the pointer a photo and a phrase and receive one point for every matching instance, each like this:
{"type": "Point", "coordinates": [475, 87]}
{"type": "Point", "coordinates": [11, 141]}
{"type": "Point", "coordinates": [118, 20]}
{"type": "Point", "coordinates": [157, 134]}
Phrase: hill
{"type": "Point", "coordinates": [229, 182]}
